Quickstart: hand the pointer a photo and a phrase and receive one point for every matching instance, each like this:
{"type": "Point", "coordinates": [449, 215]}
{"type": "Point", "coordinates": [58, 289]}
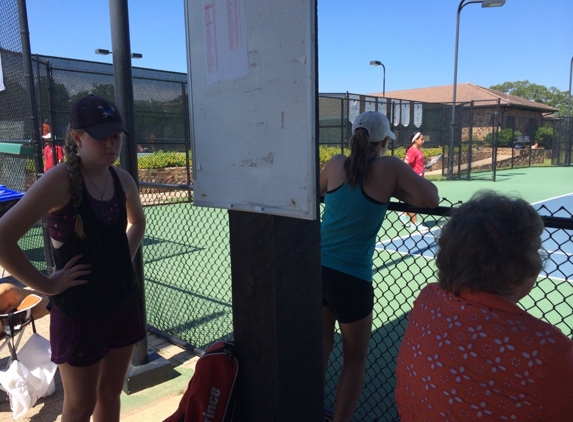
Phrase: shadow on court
{"type": "Point", "coordinates": [187, 311]}
{"type": "Point", "coordinates": [159, 249]}
{"type": "Point", "coordinates": [377, 402]}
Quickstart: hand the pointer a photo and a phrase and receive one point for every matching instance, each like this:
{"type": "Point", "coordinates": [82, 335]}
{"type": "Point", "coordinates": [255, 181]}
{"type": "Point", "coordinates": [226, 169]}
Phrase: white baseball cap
{"type": "Point", "coordinates": [376, 124]}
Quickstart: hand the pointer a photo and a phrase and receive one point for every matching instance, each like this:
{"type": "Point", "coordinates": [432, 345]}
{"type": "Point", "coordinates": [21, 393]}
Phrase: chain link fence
{"type": "Point", "coordinates": [486, 137]}
{"type": "Point", "coordinates": [404, 264]}
{"type": "Point", "coordinates": [15, 127]}
{"type": "Point", "coordinates": [338, 111]}
{"type": "Point", "coordinates": [160, 99]}
{"type": "Point", "coordinates": [186, 248]}
{"type": "Point", "coordinates": [562, 152]}
{"type": "Point", "coordinates": [187, 265]}
{"type": "Point", "coordinates": [188, 282]}
{"type": "Point", "coordinates": [17, 167]}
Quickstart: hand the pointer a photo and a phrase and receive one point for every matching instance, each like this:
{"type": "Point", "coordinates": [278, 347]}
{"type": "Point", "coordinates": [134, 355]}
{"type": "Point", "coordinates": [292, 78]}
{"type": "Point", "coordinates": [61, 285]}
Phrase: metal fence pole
{"type": "Point", "coordinates": [568, 140]}
{"type": "Point", "coordinates": [495, 141]}
{"type": "Point", "coordinates": [470, 140]}
{"type": "Point", "coordinates": [29, 77]}
{"type": "Point", "coordinates": [342, 123]}
{"type": "Point", "coordinates": [119, 21]}
{"type": "Point", "coordinates": [34, 121]}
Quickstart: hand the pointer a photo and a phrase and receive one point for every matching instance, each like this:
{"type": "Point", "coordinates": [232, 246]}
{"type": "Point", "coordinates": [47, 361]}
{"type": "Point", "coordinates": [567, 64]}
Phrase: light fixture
{"type": "Point", "coordinates": [492, 3]}
{"type": "Point", "coordinates": [105, 52]}
{"type": "Point", "coordinates": [379, 63]}
{"type": "Point", "coordinates": [463, 3]}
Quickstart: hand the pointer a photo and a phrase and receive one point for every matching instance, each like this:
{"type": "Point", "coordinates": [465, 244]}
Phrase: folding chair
{"type": "Point", "coordinates": [29, 373]}
{"type": "Point", "coordinates": [14, 323]}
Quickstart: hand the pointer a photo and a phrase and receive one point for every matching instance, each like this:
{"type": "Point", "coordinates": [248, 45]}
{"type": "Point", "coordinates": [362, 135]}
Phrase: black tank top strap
{"type": "Point", "coordinates": [118, 187]}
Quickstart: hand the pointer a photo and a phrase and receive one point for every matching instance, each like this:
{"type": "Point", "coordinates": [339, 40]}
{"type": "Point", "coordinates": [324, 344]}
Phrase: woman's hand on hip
{"type": "Point", "coordinates": [69, 276]}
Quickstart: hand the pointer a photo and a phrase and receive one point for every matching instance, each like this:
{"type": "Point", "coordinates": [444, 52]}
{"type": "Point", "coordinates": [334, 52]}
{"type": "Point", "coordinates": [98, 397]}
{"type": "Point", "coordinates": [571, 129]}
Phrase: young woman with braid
{"type": "Point", "coordinates": [96, 224]}
{"type": "Point", "coordinates": [357, 190]}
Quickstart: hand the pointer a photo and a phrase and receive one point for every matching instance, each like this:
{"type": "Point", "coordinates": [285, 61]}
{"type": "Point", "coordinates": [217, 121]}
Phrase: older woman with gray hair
{"type": "Point", "coordinates": [469, 352]}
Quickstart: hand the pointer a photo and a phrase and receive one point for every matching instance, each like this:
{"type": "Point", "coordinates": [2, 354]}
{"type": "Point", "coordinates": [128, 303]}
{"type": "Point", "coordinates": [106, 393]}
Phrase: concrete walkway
{"type": "Point", "coordinates": [475, 164]}
{"type": "Point", "coordinates": [151, 405]}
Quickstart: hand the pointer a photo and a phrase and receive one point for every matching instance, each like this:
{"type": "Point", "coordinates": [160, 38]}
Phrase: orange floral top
{"type": "Point", "coordinates": [481, 357]}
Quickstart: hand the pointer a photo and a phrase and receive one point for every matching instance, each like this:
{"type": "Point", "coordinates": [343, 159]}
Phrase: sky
{"type": "Point", "coordinates": [414, 39]}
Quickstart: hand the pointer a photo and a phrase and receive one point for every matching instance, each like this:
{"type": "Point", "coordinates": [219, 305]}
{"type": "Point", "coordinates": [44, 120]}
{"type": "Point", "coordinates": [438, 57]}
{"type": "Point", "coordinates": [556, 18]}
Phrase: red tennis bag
{"type": "Point", "coordinates": [209, 395]}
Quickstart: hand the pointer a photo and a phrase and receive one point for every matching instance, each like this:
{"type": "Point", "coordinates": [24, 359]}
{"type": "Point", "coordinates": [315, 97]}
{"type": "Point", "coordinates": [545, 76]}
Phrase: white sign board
{"type": "Point", "coordinates": [252, 100]}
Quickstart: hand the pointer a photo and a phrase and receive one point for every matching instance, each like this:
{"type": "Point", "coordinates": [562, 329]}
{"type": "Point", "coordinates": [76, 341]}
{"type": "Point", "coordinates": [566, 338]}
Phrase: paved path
{"type": "Point", "coordinates": [475, 164]}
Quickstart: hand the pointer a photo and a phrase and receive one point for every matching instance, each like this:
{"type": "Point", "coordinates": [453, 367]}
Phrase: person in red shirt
{"type": "Point", "coordinates": [414, 156]}
{"type": "Point", "coordinates": [469, 352]}
{"type": "Point", "coordinates": [49, 150]}
{"type": "Point", "coordinates": [415, 159]}
{"type": "Point", "coordinates": [46, 130]}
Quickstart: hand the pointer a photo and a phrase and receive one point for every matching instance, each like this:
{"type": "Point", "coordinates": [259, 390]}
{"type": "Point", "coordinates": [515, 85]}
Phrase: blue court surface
{"type": "Point", "coordinates": [556, 242]}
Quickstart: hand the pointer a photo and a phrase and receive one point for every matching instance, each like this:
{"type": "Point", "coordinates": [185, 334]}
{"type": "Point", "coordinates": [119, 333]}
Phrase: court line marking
{"type": "Point", "coordinates": [417, 253]}
{"type": "Point", "coordinates": [550, 277]}
{"type": "Point", "coordinates": [550, 199]}
{"type": "Point", "coordinates": [559, 252]}
{"type": "Point", "coordinates": [379, 245]}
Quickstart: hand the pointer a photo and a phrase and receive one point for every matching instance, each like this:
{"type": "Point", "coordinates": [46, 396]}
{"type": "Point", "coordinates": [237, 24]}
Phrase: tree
{"type": "Point", "coordinates": [504, 137]}
{"type": "Point", "coordinates": [544, 136]}
{"type": "Point", "coordinates": [106, 91]}
{"type": "Point", "coordinates": [538, 93]}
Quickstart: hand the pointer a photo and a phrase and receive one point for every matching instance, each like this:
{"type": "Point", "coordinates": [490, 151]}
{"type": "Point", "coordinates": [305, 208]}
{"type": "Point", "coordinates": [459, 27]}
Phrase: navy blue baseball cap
{"type": "Point", "coordinates": [99, 117]}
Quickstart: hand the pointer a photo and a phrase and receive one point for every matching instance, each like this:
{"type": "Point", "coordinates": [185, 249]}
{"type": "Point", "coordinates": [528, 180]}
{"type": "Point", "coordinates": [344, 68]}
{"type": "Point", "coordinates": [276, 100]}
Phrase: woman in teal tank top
{"type": "Point", "coordinates": [357, 190]}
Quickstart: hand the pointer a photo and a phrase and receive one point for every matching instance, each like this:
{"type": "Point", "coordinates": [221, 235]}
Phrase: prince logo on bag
{"type": "Point", "coordinates": [209, 395]}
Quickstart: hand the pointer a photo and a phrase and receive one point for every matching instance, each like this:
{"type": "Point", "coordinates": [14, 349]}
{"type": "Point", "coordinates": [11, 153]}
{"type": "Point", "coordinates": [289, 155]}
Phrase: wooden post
{"type": "Point", "coordinates": [277, 301]}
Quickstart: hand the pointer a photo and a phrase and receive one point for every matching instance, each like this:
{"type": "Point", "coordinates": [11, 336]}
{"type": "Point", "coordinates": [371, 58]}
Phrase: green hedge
{"type": "Point", "coordinates": [505, 137]}
{"type": "Point", "coordinates": [325, 153]}
{"type": "Point", "coordinates": [163, 159]}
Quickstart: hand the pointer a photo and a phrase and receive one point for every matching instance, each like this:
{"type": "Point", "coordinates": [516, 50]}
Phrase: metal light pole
{"type": "Point", "coordinates": [379, 63]}
{"type": "Point", "coordinates": [463, 3]}
{"type": "Point", "coordinates": [568, 131]}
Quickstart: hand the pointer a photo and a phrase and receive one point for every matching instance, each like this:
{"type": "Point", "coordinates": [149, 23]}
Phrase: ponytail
{"type": "Point", "coordinates": [361, 151]}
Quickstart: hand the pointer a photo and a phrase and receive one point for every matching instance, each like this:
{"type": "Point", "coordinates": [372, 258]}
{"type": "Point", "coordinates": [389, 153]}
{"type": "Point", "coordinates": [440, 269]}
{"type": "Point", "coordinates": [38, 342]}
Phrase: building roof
{"type": "Point", "coordinates": [464, 94]}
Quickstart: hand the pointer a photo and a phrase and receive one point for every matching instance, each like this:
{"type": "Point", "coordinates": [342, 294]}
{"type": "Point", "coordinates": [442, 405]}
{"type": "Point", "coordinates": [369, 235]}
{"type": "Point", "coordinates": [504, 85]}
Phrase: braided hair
{"type": "Point", "coordinates": [73, 162]}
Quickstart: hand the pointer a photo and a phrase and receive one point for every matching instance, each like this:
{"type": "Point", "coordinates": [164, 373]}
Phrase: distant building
{"type": "Point", "coordinates": [515, 112]}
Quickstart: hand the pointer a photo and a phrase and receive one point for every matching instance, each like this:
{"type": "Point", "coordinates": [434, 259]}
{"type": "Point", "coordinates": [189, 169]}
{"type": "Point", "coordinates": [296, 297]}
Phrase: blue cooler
{"type": "Point", "coordinates": [8, 198]}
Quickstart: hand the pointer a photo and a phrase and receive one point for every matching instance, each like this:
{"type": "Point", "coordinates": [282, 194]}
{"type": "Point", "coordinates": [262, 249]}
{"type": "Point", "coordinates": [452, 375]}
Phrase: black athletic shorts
{"type": "Point", "coordinates": [350, 298]}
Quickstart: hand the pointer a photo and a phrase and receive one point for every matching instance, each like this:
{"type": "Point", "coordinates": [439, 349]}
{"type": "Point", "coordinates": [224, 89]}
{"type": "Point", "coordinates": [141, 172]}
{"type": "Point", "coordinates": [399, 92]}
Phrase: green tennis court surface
{"type": "Point", "coordinates": [188, 277]}
{"type": "Point", "coordinates": [188, 272]}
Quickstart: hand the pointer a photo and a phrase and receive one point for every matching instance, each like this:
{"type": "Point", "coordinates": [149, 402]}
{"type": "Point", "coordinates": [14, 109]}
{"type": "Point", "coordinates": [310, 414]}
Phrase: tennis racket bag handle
{"type": "Point", "coordinates": [209, 395]}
